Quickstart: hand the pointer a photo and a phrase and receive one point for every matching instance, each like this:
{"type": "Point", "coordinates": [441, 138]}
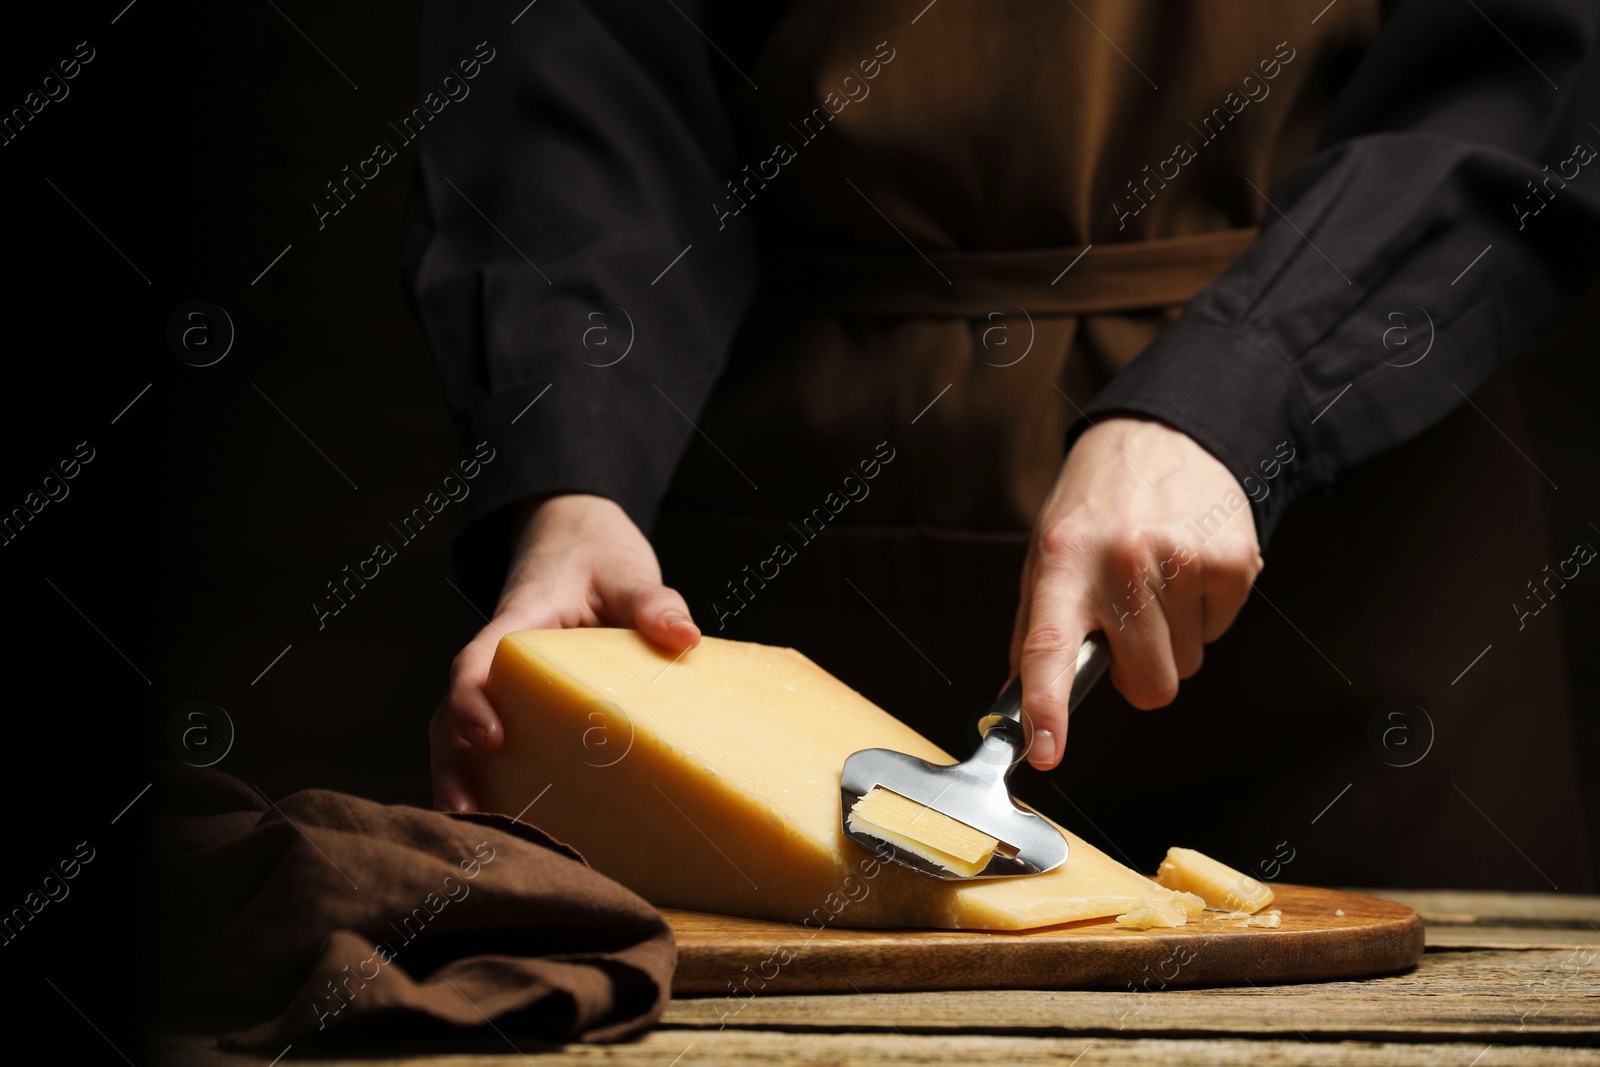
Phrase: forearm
{"type": "Point", "coordinates": [547, 208]}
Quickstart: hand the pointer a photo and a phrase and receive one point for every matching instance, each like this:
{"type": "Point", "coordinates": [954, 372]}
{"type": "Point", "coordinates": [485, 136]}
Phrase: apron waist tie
{"type": "Point", "coordinates": [967, 284]}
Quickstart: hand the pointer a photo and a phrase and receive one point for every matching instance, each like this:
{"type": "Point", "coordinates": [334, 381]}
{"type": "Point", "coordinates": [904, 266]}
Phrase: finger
{"type": "Point", "coordinates": [1056, 628]}
{"type": "Point", "coordinates": [447, 758]}
{"type": "Point", "coordinates": [1227, 577]}
{"type": "Point", "coordinates": [1019, 629]}
{"type": "Point", "coordinates": [1183, 607]}
{"type": "Point", "coordinates": [466, 708]}
{"type": "Point", "coordinates": [1142, 666]}
{"type": "Point", "coordinates": [661, 614]}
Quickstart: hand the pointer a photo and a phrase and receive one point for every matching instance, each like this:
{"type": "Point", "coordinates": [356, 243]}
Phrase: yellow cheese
{"type": "Point", "coordinates": [1175, 912]}
{"type": "Point", "coordinates": [712, 782]}
{"type": "Point", "coordinates": [920, 830]}
{"type": "Point", "coordinates": [1221, 886]}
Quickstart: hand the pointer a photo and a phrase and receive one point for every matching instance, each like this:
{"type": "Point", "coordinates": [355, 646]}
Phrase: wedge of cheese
{"type": "Point", "coordinates": [711, 781]}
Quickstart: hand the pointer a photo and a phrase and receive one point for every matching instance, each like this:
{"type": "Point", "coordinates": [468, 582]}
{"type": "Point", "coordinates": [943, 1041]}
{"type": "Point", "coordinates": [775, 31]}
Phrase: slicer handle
{"type": "Point", "coordinates": [1005, 715]}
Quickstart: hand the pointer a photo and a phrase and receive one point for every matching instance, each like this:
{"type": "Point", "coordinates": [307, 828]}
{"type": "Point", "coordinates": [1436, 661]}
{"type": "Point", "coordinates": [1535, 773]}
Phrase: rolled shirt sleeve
{"type": "Point", "coordinates": [577, 290]}
{"type": "Point", "coordinates": [1434, 209]}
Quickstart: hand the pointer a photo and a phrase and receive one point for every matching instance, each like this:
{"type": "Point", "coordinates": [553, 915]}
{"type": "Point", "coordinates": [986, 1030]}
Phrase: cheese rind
{"type": "Point", "coordinates": [1222, 887]}
{"type": "Point", "coordinates": [922, 831]}
{"type": "Point", "coordinates": [711, 781]}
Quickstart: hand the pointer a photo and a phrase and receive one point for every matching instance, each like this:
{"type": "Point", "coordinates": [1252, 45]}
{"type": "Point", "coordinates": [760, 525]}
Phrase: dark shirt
{"type": "Point", "coordinates": [578, 176]}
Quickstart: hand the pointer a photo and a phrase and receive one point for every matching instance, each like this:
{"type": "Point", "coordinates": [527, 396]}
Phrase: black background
{"type": "Point", "coordinates": [191, 547]}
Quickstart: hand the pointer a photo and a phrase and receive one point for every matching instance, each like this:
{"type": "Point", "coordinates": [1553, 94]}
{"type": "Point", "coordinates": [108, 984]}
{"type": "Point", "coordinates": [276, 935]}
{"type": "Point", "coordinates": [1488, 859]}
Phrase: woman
{"type": "Point", "coordinates": [842, 304]}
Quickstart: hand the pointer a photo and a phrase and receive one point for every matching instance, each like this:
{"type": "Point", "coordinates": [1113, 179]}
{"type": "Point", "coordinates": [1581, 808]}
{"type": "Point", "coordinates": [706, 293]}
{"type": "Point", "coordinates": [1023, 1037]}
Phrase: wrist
{"type": "Point", "coordinates": [1230, 390]}
{"type": "Point", "coordinates": [543, 523]}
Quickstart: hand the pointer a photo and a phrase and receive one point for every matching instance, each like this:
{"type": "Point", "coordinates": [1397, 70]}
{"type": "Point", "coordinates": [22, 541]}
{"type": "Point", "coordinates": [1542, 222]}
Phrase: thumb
{"type": "Point", "coordinates": [656, 611]}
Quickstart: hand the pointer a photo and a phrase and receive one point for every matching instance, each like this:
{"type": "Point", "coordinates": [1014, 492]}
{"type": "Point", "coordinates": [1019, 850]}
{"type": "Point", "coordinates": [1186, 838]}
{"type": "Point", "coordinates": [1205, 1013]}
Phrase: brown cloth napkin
{"type": "Point", "coordinates": [321, 913]}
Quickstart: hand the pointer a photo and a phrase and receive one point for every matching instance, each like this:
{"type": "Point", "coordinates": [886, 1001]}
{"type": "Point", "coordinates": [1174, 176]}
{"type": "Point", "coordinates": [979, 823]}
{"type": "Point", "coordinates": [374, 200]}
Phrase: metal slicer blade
{"type": "Point", "coordinates": [974, 791]}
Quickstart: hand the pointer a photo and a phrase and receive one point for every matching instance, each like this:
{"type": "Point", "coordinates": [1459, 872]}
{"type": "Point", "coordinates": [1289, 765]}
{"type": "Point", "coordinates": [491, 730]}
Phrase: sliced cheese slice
{"type": "Point", "coordinates": [920, 830]}
{"type": "Point", "coordinates": [711, 781]}
{"type": "Point", "coordinates": [1222, 887]}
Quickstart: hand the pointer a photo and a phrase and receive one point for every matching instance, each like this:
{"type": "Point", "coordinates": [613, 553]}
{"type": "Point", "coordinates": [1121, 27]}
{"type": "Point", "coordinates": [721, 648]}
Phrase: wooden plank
{"type": "Point", "coordinates": [1499, 996]}
{"type": "Point", "coordinates": [736, 1048]}
{"type": "Point", "coordinates": [1471, 936]}
{"type": "Point", "coordinates": [1460, 906]}
{"type": "Point", "coordinates": [1324, 934]}
{"type": "Point", "coordinates": [1456, 918]}
{"type": "Point", "coordinates": [1528, 1004]}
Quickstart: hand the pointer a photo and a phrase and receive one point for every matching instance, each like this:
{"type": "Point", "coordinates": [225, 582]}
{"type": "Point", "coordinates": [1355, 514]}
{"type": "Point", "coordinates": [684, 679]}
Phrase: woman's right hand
{"type": "Point", "coordinates": [578, 560]}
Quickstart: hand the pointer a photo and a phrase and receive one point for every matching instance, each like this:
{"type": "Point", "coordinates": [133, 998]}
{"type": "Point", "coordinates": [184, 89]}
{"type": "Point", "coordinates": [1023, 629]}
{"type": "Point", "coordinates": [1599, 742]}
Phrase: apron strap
{"type": "Point", "coordinates": [966, 284]}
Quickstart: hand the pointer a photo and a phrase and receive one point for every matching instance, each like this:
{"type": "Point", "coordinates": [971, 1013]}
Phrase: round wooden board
{"type": "Point", "coordinates": [1372, 936]}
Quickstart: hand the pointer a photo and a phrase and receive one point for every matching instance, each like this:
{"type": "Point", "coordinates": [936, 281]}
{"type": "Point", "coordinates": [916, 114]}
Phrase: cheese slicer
{"type": "Point", "coordinates": [972, 793]}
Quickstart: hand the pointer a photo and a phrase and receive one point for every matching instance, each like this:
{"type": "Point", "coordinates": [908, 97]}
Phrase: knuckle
{"type": "Point", "coordinates": [1135, 691]}
{"type": "Point", "coordinates": [1239, 560]}
{"type": "Point", "coordinates": [1148, 687]}
{"type": "Point", "coordinates": [1042, 639]}
{"type": "Point", "coordinates": [650, 600]}
{"type": "Point", "coordinates": [1062, 540]}
{"type": "Point", "coordinates": [1189, 662]}
{"type": "Point", "coordinates": [1153, 693]}
{"type": "Point", "coordinates": [458, 716]}
{"type": "Point", "coordinates": [1166, 690]}
{"type": "Point", "coordinates": [1043, 706]}
{"type": "Point", "coordinates": [1130, 551]}
{"type": "Point", "coordinates": [439, 723]}
{"type": "Point", "coordinates": [1234, 566]}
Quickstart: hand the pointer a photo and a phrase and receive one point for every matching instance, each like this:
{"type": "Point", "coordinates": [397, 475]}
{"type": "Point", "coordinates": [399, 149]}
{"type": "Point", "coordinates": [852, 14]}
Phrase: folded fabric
{"type": "Point", "coordinates": [322, 913]}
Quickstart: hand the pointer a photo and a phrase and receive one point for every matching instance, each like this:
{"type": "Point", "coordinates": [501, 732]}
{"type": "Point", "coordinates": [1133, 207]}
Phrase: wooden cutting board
{"type": "Point", "coordinates": [1324, 934]}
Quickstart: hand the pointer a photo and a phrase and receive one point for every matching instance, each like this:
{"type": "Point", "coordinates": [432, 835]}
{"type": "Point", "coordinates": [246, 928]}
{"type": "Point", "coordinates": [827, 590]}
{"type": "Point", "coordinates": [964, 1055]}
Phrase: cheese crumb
{"type": "Point", "coordinates": [1173, 912]}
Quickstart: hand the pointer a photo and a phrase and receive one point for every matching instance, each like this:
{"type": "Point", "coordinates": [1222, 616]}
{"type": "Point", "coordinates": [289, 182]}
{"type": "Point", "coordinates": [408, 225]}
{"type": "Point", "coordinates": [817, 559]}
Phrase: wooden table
{"type": "Point", "coordinates": [1507, 979]}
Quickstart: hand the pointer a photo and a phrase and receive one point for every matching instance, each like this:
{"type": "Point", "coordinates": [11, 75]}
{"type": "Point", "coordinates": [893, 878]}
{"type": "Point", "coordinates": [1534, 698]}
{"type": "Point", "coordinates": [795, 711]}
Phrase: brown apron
{"type": "Point", "coordinates": [970, 221]}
